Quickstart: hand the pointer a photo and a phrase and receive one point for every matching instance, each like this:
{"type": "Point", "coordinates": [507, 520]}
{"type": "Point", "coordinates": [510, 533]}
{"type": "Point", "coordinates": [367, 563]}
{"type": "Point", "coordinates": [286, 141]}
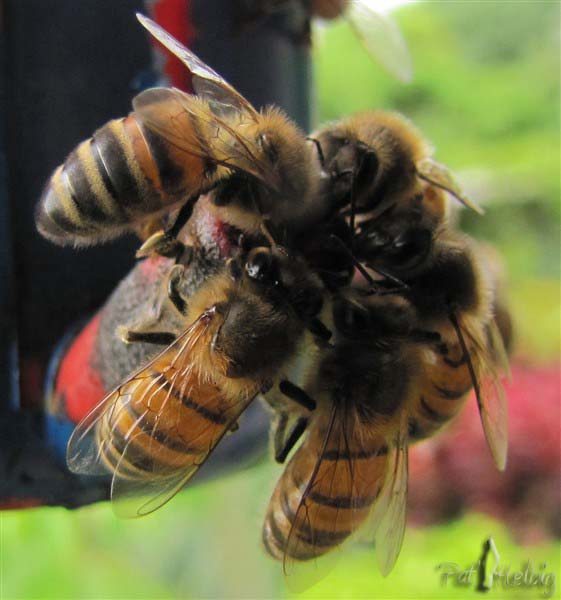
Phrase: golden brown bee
{"type": "Point", "coordinates": [377, 160]}
{"type": "Point", "coordinates": [157, 428]}
{"type": "Point", "coordinates": [172, 148]}
{"type": "Point", "coordinates": [452, 292]}
{"type": "Point", "coordinates": [378, 170]}
{"type": "Point", "coordinates": [380, 158]}
{"type": "Point", "coordinates": [352, 466]}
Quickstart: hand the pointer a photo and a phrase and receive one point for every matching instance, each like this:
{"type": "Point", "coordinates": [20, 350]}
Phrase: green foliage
{"type": "Point", "coordinates": [206, 545]}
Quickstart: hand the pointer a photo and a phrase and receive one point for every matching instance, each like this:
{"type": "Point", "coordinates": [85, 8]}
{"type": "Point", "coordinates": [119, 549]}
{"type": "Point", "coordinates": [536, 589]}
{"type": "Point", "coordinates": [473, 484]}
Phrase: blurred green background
{"type": "Point", "coordinates": [486, 92]}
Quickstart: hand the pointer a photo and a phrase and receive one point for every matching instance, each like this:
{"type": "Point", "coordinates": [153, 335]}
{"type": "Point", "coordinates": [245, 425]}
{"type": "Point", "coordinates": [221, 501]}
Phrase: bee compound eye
{"type": "Point", "coordinates": [262, 267]}
{"type": "Point", "coordinates": [411, 249]}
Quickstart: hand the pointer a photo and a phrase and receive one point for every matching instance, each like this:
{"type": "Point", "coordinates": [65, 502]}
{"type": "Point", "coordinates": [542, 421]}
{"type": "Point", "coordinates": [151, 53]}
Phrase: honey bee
{"type": "Point", "coordinates": [377, 32]}
{"type": "Point", "coordinates": [351, 468]}
{"type": "Point", "coordinates": [157, 428]}
{"type": "Point", "coordinates": [452, 292]}
{"type": "Point", "coordinates": [377, 160]}
{"type": "Point", "coordinates": [380, 174]}
{"type": "Point", "coordinates": [172, 148]}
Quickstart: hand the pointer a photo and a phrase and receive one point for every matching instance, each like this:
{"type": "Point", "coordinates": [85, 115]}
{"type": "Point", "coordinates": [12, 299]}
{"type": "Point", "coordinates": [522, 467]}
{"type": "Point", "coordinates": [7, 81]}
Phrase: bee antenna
{"type": "Point", "coordinates": [353, 259]}
{"type": "Point", "coordinates": [375, 288]}
{"type": "Point", "coordinates": [398, 282]}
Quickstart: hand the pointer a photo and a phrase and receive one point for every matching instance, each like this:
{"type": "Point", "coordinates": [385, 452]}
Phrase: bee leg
{"type": "Point", "coordinates": [174, 278]}
{"type": "Point", "coordinates": [165, 243]}
{"type": "Point", "coordinates": [283, 445]}
{"type": "Point", "coordinates": [297, 394]}
{"type": "Point", "coordinates": [279, 426]}
{"type": "Point", "coordinates": [147, 228]}
{"type": "Point", "coordinates": [319, 329]}
{"type": "Point", "coordinates": [161, 243]}
{"type": "Point", "coordinates": [183, 216]}
{"type": "Point", "coordinates": [161, 338]}
{"type": "Point", "coordinates": [267, 234]}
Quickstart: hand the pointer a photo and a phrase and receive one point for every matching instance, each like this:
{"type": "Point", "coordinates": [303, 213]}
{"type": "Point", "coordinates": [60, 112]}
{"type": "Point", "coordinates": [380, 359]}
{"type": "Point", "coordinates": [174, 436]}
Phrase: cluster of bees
{"type": "Point", "coordinates": [345, 299]}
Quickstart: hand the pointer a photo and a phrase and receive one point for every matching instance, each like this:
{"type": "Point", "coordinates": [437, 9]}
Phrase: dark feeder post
{"type": "Point", "coordinates": [67, 68]}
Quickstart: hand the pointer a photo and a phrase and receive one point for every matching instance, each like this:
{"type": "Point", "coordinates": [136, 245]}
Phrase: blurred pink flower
{"type": "Point", "coordinates": [454, 472]}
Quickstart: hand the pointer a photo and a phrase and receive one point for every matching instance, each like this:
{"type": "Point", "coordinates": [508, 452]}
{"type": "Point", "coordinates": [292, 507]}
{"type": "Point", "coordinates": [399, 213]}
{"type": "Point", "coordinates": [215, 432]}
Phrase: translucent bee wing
{"type": "Point", "coordinates": [498, 350]}
{"type": "Point", "coordinates": [439, 175]}
{"type": "Point", "coordinates": [189, 127]}
{"type": "Point", "coordinates": [388, 516]}
{"type": "Point", "coordinates": [224, 100]}
{"type": "Point", "coordinates": [83, 453]}
{"type": "Point", "coordinates": [336, 497]}
{"type": "Point", "coordinates": [489, 391]}
{"type": "Point", "coordinates": [133, 498]}
{"type": "Point", "coordinates": [382, 39]}
{"type": "Point", "coordinates": [300, 575]}
{"type": "Point", "coordinates": [141, 433]}
{"type": "Point", "coordinates": [492, 402]}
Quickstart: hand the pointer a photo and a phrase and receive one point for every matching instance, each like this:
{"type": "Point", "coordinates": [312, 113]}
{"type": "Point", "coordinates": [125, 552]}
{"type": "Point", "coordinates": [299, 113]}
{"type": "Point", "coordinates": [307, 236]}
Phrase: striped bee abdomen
{"type": "Point", "coordinates": [122, 174]}
{"type": "Point", "coordinates": [443, 389]}
{"type": "Point", "coordinates": [336, 504]}
{"type": "Point", "coordinates": [157, 426]}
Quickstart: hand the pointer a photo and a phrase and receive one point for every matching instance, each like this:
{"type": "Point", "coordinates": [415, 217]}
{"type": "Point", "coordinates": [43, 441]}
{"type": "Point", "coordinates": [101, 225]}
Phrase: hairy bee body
{"type": "Point", "coordinates": [454, 296]}
{"type": "Point", "coordinates": [401, 367]}
{"type": "Point", "coordinates": [158, 426]}
{"type": "Point", "coordinates": [173, 148]}
{"type": "Point", "coordinates": [164, 427]}
{"type": "Point", "coordinates": [447, 382]}
{"type": "Point", "coordinates": [120, 176]}
{"type": "Point", "coordinates": [379, 169]}
{"type": "Point", "coordinates": [336, 510]}
{"type": "Point", "coordinates": [328, 489]}
{"type": "Point", "coordinates": [441, 393]}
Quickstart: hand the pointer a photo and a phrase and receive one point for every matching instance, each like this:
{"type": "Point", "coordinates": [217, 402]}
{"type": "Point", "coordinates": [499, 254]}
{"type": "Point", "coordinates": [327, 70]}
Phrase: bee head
{"type": "Point", "coordinates": [400, 239]}
{"type": "Point", "coordinates": [402, 254]}
{"type": "Point", "coordinates": [280, 278]}
{"type": "Point", "coordinates": [350, 168]}
{"type": "Point", "coordinates": [256, 269]}
{"type": "Point", "coordinates": [274, 295]}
